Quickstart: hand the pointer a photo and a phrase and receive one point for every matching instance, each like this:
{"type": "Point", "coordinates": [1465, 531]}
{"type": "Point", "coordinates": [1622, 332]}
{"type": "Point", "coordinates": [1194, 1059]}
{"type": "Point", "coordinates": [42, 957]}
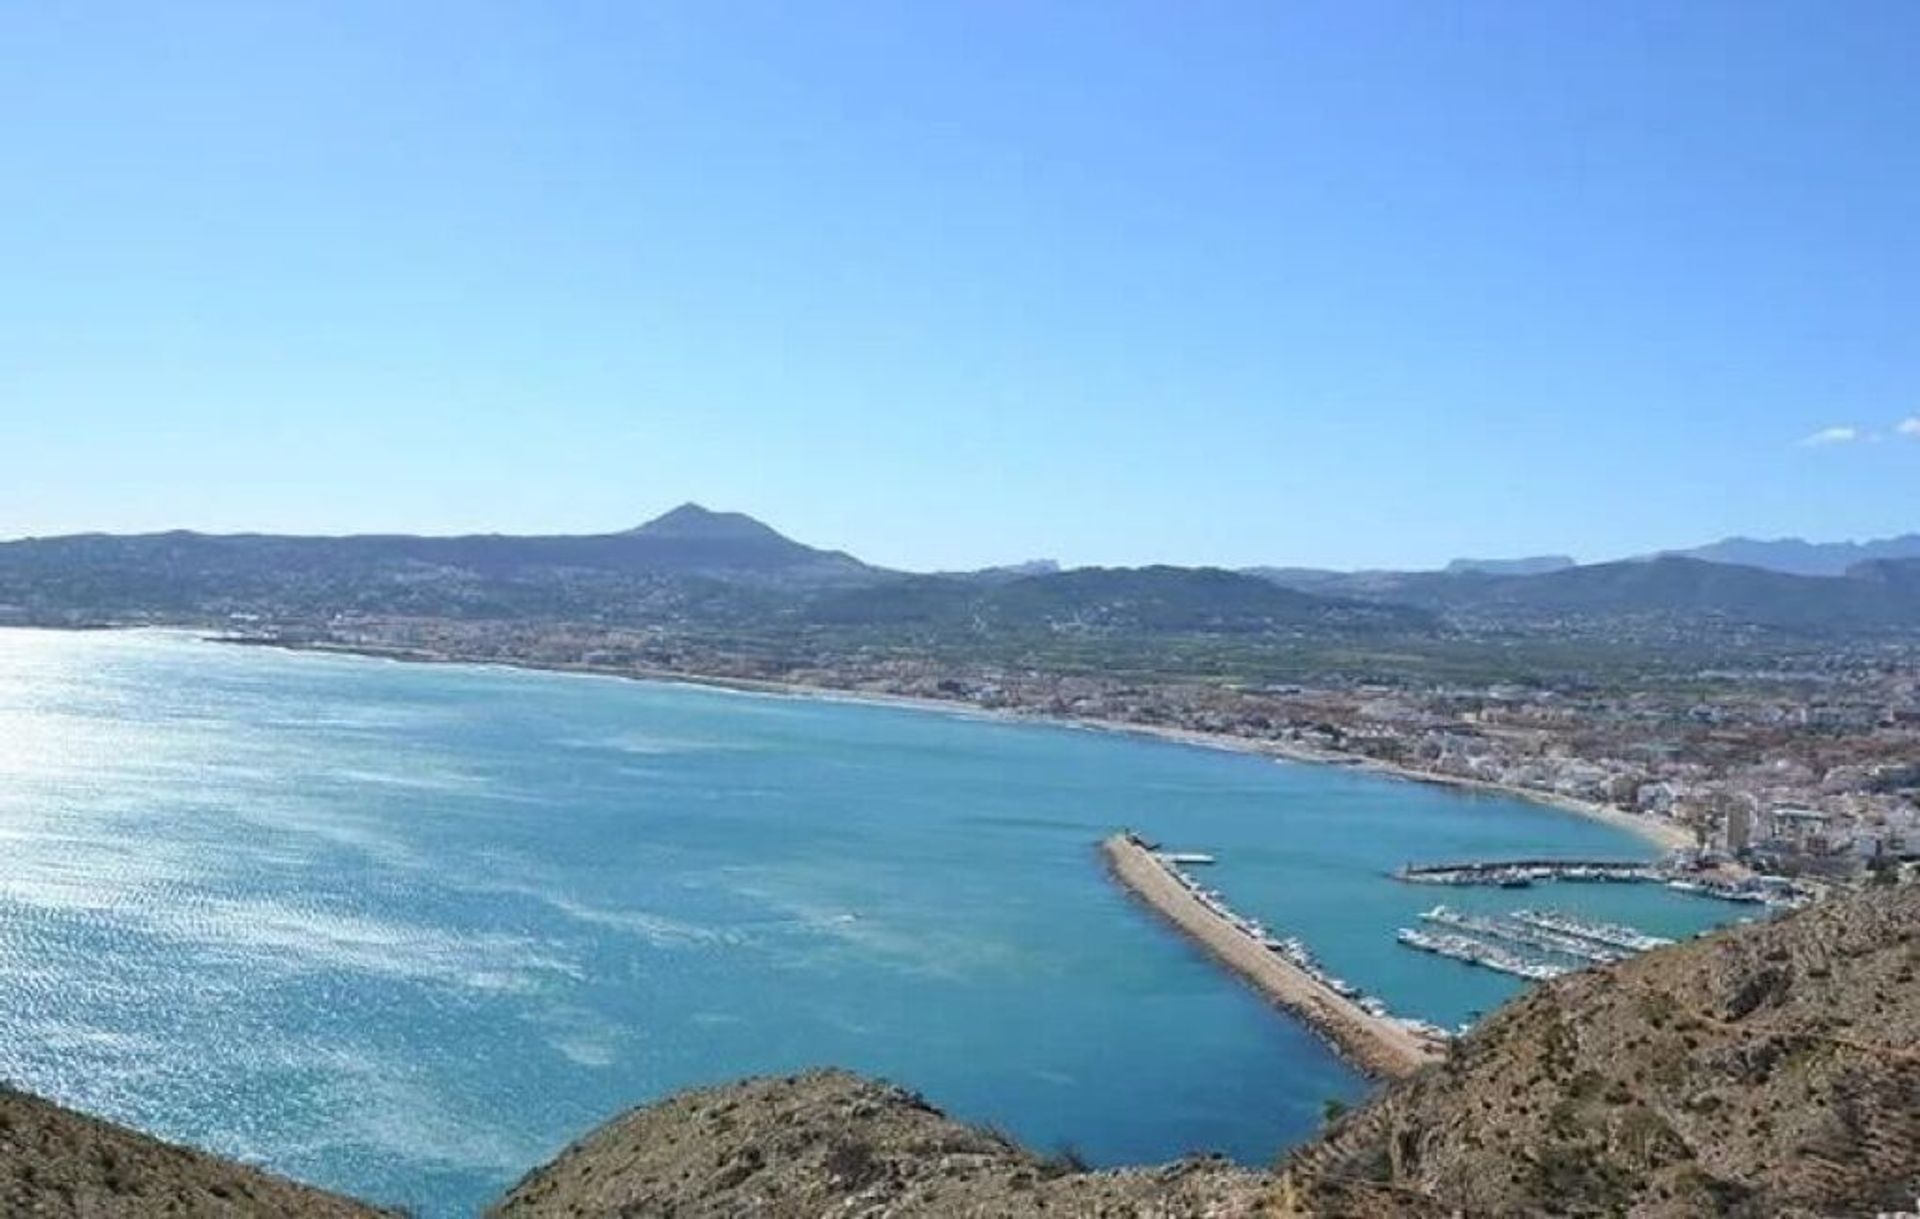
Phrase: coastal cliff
{"type": "Point", "coordinates": [1769, 1070]}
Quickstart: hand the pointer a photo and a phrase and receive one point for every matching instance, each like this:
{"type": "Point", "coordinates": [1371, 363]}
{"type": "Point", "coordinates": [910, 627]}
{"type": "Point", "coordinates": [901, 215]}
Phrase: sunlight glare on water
{"type": "Point", "coordinates": [407, 930]}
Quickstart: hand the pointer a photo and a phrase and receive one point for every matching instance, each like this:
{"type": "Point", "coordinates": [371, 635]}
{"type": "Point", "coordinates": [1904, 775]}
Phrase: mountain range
{"type": "Point", "coordinates": [1797, 557]}
{"type": "Point", "coordinates": [1532, 565]}
{"type": "Point", "coordinates": [693, 565]}
{"type": "Point", "coordinates": [1196, 600]}
{"type": "Point", "coordinates": [1878, 596]}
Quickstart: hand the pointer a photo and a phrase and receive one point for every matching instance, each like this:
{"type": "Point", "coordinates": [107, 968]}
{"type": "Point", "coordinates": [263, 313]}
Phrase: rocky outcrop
{"type": "Point", "coordinates": [829, 1142]}
{"type": "Point", "coordinates": [1772, 1070]}
{"type": "Point", "coordinates": [55, 1163]}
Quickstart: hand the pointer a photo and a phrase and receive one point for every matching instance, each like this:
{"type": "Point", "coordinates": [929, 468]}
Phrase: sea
{"type": "Point", "coordinates": [406, 930]}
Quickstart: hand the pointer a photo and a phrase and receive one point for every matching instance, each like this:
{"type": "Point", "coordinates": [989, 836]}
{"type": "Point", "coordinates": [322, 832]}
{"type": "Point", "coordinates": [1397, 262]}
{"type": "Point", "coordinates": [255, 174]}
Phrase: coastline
{"type": "Point", "coordinates": [1661, 833]}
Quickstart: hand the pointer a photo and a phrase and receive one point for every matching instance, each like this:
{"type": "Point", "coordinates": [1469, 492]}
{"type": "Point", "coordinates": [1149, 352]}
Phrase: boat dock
{"type": "Point", "coordinates": [1612, 935]}
{"type": "Point", "coordinates": [1527, 934]}
{"type": "Point", "coordinates": [1534, 944]}
{"type": "Point", "coordinates": [1471, 951]}
{"type": "Point", "coordinates": [1523, 873]}
{"type": "Point", "coordinates": [1519, 873]}
{"type": "Point", "coordinates": [1369, 1036]}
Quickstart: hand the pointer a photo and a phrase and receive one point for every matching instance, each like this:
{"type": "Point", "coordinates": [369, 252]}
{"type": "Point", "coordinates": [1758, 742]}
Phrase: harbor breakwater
{"type": "Point", "coordinates": [1381, 1046]}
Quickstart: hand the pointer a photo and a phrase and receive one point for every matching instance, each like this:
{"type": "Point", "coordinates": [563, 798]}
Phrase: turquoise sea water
{"type": "Point", "coordinates": [407, 930]}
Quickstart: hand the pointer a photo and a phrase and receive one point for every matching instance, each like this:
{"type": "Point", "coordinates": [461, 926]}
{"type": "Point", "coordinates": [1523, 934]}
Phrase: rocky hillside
{"type": "Point", "coordinates": [1771, 1071]}
{"type": "Point", "coordinates": [832, 1143]}
{"type": "Point", "coordinates": [58, 1164]}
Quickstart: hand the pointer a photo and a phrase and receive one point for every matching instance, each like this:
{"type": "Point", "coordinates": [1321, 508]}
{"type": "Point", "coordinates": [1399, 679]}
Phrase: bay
{"type": "Point", "coordinates": [406, 930]}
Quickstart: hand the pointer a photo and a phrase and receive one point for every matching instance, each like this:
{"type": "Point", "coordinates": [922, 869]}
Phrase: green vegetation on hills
{"type": "Point", "coordinates": [706, 581]}
{"type": "Point", "coordinates": [1675, 590]}
{"type": "Point", "coordinates": [1200, 601]}
{"type": "Point", "coordinates": [1796, 556]}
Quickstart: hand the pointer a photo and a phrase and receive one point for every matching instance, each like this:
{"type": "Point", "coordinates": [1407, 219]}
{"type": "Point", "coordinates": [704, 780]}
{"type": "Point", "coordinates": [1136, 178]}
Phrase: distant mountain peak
{"type": "Point", "coordinates": [1006, 571]}
{"type": "Point", "coordinates": [1531, 565]}
{"type": "Point", "coordinates": [693, 522]}
{"type": "Point", "coordinates": [1797, 556]}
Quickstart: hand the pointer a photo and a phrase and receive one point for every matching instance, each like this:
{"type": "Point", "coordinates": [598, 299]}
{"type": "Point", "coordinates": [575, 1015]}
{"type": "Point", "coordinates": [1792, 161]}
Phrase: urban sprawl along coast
{"type": "Point", "coordinates": [1806, 772]}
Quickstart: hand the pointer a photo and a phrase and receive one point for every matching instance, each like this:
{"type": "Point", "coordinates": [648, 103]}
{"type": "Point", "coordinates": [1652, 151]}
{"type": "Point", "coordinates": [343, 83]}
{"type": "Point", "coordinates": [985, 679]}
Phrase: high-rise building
{"type": "Point", "coordinates": [1739, 828]}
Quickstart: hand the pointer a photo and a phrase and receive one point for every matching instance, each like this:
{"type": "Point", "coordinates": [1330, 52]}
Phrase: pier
{"type": "Point", "coordinates": [1526, 933]}
{"type": "Point", "coordinates": [1512, 873]}
{"type": "Point", "coordinates": [1378, 1044]}
{"type": "Point", "coordinates": [1737, 886]}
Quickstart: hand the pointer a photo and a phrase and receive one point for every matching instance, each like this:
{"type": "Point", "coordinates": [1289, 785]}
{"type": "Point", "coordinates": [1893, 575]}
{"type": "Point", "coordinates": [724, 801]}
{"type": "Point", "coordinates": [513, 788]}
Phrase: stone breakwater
{"type": "Point", "coordinates": [1381, 1046]}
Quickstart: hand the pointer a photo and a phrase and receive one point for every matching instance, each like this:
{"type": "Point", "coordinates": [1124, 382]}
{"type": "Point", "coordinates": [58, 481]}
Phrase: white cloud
{"type": "Point", "coordinates": [1910, 426]}
{"type": "Point", "coordinates": [1833, 435]}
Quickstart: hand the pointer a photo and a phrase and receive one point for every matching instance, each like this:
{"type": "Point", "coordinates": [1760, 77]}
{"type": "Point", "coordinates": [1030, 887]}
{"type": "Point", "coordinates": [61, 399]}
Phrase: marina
{"type": "Point", "coordinates": [1529, 935]}
{"type": "Point", "coordinates": [1524, 873]}
{"type": "Point", "coordinates": [1472, 951]}
{"type": "Point", "coordinates": [1533, 944]}
{"type": "Point", "coordinates": [1612, 935]}
{"type": "Point", "coordinates": [1282, 968]}
{"type": "Point", "coordinates": [1520, 873]}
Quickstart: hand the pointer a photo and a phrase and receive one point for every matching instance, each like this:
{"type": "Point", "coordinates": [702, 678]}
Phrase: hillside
{"type": "Point", "coordinates": [1093, 599]}
{"type": "Point", "coordinates": [59, 1164]}
{"type": "Point", "coordinates": [829, 1142]}
{"type": "Point", "coordinates": [687, 562]}
{"type": "Point", "coordinates": [1900, 576]}
{"type": "Point", "coordinates": [1769, 1071]}
{"type": "Point", "coordinates": [1669, 589]}
{"type": "Point", "coordinates": [1679, 588]}
{"type": "Point", "coordinates": [1798, 557]}
{"type": "Point", "coordinates": [729, 575]}
{"type": "Point", "coordinates": [688, 540]}
{"type": "Point", "coordinates": [1531, 565]}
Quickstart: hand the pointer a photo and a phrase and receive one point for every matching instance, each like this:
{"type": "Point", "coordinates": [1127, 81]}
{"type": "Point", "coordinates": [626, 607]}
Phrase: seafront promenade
{"type": "Point", "coordinates": [1380, 1046]}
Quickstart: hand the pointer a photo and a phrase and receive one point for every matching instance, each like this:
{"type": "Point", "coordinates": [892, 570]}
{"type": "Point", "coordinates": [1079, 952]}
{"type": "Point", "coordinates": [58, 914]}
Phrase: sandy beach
{"type": "Point", "coordinates": [1662, 833]}
{"type": "Point", "coordinates": [1382, 1048]}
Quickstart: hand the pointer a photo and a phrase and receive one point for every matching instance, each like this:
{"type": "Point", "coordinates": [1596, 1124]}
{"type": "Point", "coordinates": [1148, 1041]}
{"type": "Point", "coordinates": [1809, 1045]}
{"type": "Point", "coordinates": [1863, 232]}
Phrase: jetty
{"type": "Point", "coordinates": [1375, 1041]}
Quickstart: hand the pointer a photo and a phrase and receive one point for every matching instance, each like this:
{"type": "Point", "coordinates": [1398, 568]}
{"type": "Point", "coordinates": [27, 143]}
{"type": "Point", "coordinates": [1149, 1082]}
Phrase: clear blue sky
{"type": "Point", "coordinates": [1328, 283]}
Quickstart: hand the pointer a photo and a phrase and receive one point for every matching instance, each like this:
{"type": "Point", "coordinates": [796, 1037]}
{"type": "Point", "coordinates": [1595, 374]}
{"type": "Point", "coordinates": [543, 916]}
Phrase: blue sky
{"type": "Point", "coordinates": [1328, 283]}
